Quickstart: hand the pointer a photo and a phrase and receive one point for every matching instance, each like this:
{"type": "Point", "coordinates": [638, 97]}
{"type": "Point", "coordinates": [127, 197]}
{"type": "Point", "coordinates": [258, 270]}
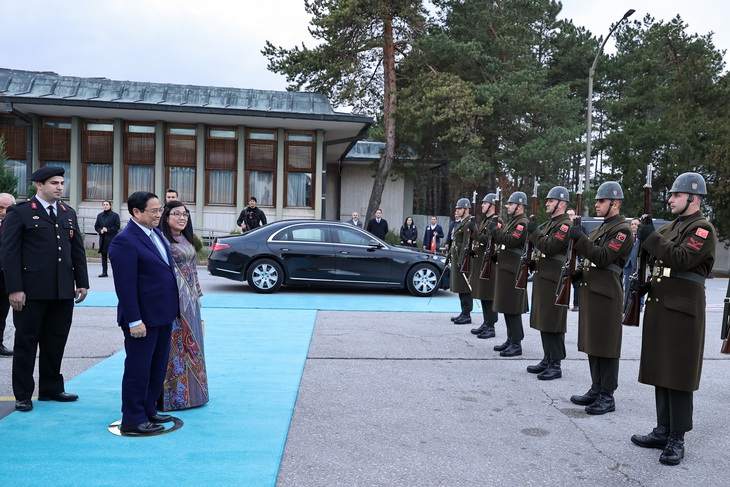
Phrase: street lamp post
{"type": "Point", "coordinates": [589, 128]}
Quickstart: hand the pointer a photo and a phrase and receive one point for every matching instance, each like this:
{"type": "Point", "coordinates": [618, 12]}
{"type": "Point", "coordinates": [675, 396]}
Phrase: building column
{"type": "Point", "coordinates": [280, 177]}
{"type": "Point", "coordinates": [160, 183]}
{"type": "Point", "coordinates": [320, 177]}
{"type": "Point", "coordinates": [200, 176]}
{"type": "Point", "coordinates": [118, 196]}
{"type": "Point", "coordinates": [76, 191]}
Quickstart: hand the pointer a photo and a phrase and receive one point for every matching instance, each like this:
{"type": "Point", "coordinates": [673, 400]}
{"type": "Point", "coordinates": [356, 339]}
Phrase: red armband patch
{"type": "Point", "coordinates": [695, 244]}
{"type": "Point", "coordinates": [702, 233]}
{"type": "Point", "coordinates": [518, 231]}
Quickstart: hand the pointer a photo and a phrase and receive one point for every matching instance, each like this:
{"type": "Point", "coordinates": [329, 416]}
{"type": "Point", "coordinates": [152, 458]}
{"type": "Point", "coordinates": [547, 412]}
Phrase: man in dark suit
{"type": "Point", "coordinates": [378, 226]}
{"type": "Point", "coordinates": [146, 287]}
{"type": "Point", "coordinates": [432, 236]}
{"type": "Point", "coordinates": [44, 263]}
{"type": "Point", "coordinates": [355, 220]}
{"type": "Point", "coordinates": [6, 200]}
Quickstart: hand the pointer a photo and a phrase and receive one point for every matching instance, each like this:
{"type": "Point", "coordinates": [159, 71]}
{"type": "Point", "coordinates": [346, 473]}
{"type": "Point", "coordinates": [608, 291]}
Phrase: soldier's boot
{"type": "Point", "coordinates": [513, 350]}
{"type": "Point", "coordinates": [656, 439]}
{"type": "Point", "coordinates": [538, 368]}
{"type": "Point", "coordinates": [604, 404]}
{"type": "Point", "coordinates": [481, 328]}
{"type": "Point", "coordinates": [504, 346]}
{"type": "Point", "coordinates": [674, 451]}
{"type": "Point", "coordinates": [587, 398]}
{"type": "Point", "coordinates": [454, 318]}
{"type": "Point", "coordinates": [488, 332]}
{"type": "Point", "coordinates": [465, 319]}
{"type": "Point", "coordinates": [552, 372]}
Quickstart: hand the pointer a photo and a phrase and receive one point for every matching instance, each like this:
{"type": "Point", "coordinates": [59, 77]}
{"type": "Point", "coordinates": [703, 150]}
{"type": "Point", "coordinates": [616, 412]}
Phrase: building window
{"type": "Point", "coordinates": [97, 156]}
{"type": "Point", "coordinates": [299, 155]}
{"type": "Point", "coordinates": [139, 158]}
{"type": "Point", "coordinates": [54, 147]}
{"type": "Point", "coordinates": [15, 137]}
{"type": "Point", "coordinates": [181, 160]}
{"type": "Point", "coordinates": [261, 154]}
{"type": "Point", "coordinates": [221, 156]}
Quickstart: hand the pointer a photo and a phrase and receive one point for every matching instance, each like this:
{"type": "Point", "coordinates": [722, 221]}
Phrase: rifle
{"type": "Point", "coordinates": [562, 293]}
{"type": "Point", "coordinates": [524, 271]}
{"type": "Point", "coordinates": [632, 307]}
{"type": "Point", "coordinates": [466, 262]}
{"type": "Point", "coordinates": [491, 247]}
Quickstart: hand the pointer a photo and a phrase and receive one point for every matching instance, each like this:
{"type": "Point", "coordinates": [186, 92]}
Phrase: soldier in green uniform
{"type": "Point", "coordinates": [601, 297]}
{"type": "Point", "coordinates": [464, 228]}
{"type": "Point", "coordinates": [551, 243]}
{"type": "Point", "coordinates": [483, 289]}
{"type": "Point", "coordinates": [682, 254]}
{"type": "Point", "coordinates": [508, 300]}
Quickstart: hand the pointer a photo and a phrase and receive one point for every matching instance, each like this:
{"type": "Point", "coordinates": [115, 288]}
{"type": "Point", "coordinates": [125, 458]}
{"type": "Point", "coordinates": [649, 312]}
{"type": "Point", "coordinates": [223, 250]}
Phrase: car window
{"type": "Point", "coordinates": [302, 234]}
{"type": "Point", "coordinates": [349, 236]}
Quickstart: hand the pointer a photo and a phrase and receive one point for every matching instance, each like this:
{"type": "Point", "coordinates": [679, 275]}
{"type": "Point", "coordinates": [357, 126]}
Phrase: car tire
{"type": "Point", "coordinates": [422, 279]}
{"type": "Point", "coordinates": [265, 276]}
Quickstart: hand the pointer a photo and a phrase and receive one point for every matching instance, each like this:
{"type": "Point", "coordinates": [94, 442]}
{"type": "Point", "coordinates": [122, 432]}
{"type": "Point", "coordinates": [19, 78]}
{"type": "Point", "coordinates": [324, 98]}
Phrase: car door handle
{"type": "Point", "coordinates": [285, 250]}
{"type": "Point", "coordinates": [344, 252]}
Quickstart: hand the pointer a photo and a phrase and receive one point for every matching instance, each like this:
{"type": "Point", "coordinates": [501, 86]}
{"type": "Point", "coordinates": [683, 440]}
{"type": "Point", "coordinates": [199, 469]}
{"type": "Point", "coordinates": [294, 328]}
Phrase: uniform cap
{"type": "Point", "coordinates": [47, 172]}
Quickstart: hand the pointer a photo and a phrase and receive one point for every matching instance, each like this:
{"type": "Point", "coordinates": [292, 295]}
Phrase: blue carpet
{"type": "Point", "coordinates": [255, 360]}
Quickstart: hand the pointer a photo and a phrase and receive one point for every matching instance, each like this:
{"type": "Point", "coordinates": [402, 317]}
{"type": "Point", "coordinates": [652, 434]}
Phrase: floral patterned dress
{"type": "Point", "coordinates": [186, 381]}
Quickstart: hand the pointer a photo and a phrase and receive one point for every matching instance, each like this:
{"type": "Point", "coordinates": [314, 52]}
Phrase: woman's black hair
{"type": "Point", "coordinates": [187, 232]}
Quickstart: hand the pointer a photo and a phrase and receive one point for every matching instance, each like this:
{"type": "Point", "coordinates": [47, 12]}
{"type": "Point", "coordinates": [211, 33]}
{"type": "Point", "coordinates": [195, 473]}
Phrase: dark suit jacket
{"type": "Point", "coordinates": [428, 234]}
{"type": "Point", "coordinates": [380, 230]}
{"type": "Point", "coordinates": [145, 284]}
{"type": "Point", "coordinates": [352, 222]}
{"type": "Point", "coordinates": [41, 257]}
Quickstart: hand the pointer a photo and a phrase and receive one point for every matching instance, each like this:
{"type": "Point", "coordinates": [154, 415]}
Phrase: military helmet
{"type": "Point", "coordinates": [491, 198]}
{"type": "Point", "coordinates": [518, 197]}
{"type": "Point", "coordinates": [689, 182]}
{"type": "Point", "coordinates": [558, 193]}
{"type": "Point", "coordinates": [610, 190]}
{"type": "Point", "coordinates": [463, 203]}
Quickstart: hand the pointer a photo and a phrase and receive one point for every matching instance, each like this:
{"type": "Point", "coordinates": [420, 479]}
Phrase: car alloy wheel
{"type": "Point", "coordinates": [422, 280]}
{"type": "Point", "coordinates": [265, 276]}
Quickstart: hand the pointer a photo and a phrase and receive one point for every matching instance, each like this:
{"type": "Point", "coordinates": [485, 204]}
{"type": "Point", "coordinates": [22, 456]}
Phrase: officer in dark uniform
{"type": "Point", "coordinates": [483, 289]}
{"type": "Point", "coordinates": [551, 243]}
{"type": "Point", "coordinates": [464, 228]}
{"type": "Point", "coordinates": [44, 262]}
{"type": "Point", "coordinates": [601, 297]}
{"type": "Point", "coordinates": [508, 300]}
{"type": "Point", "coordinates": [682, 254]}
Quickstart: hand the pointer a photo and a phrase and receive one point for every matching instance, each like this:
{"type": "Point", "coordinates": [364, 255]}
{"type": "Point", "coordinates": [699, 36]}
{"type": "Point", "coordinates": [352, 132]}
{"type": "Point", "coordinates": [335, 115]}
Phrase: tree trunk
{"type": "Point", "coordinates": [386, 159]}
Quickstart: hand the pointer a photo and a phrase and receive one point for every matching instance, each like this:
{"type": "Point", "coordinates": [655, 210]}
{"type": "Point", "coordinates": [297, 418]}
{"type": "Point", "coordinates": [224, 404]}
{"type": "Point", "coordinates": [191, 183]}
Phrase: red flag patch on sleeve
{"type": "Point", "coordinates": [518, 231]}
{"type": "Point", "coordinates": [621, 236]}
{"type": "Point", "coordinates": [702, 233]}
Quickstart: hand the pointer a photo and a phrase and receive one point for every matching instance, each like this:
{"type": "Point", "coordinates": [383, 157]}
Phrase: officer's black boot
{"type": "Point", "coordinates": [465, 319]}
{"type": "Point", "coordinates": [454, 318]}
{"type": "Point", "coordinates": [674, 451]}
{"type": "Point", "coordinates": [488, 332]}
{"type": "Point", "coordinates": [656, 439]}
{"type": "Point", "coordinates": [483, 327]}
{"type": "Point", "coordinates": [552, 372]}
{"type": "Point", "coordinates": [504, 346]}
{"type": "Point", "coordinates": [587, 398]}
{"type": "Point", "coordinates": [538, 368]}
{"type": "Point", "coordinates": [604, 404]}
{"type": "Point", "coordinates": [513, 350]}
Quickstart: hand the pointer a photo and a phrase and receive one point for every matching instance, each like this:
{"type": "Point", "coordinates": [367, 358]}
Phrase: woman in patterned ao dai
{"type": "Point", "coordinates": [186, 381]}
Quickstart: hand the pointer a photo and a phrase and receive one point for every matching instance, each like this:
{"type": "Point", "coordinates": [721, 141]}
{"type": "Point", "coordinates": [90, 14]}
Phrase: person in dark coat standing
{"type": "Point", "coordinates": [146, 287]}
{"type": "Point", "coordinates": [508, 300]}
{"type": "Point", "coordinates": [107, 226]}
{"type": "Point", "coordinates": [409, 233]}
{"type": "Point", "coordinates": [44, 262]}
{"type": "Point", "coordinates": [432, 236]}
{"type": "Point", "coordinates": [605, 252]}
{"type": "Point", "coordinates": [551, 244]}
{"type": "Point", "coordinates": [251, 217]}
{"type": "Point", "coordinates": [378, 226]}
{"type": "Point", "coordinates": [464, 229]}
{"type": "Point", "coordinates": [682, 254]}
{"type": "Point", "coordinates": [6, 201]}
{"type": "Point", "coordinates": [483, 289]}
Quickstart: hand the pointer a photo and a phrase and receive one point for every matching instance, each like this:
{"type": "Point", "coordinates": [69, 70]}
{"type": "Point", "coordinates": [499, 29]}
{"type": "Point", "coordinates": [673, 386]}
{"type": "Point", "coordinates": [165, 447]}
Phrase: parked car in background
{"type": "Point", "coordinates": [323, 253]}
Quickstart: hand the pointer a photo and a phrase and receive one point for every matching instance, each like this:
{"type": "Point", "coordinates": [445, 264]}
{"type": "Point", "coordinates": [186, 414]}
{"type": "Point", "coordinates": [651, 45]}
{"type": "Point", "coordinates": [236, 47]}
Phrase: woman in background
{"type": "Point", "coordinates": [408, 233]}
{"type": "Point", "coordinates": [107, 226]}
{"type": "Point", "coordinates": [186, 381]}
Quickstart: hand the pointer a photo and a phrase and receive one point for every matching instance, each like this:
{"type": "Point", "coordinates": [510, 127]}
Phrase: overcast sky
{"type": "Point", "coordinates": [218, 42]}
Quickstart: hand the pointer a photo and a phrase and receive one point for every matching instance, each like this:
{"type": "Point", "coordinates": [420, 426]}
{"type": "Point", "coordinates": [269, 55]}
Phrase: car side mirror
{"type": "Point", "coordinates": [374, 244]}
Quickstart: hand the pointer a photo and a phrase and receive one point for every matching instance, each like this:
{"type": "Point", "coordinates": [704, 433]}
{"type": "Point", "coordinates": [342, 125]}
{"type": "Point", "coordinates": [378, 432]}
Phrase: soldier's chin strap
{"type": "Point", "coordinates": [690, 199]}
{"type": "Point", "coordinates": [552, 213]}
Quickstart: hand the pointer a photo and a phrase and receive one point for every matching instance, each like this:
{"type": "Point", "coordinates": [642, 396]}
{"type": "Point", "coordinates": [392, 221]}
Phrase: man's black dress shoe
{"type": "Point", "coordinates": [60, 397]}
{"type": "Point", "coordinates": [142, 429]}
{"type": "Point", "coordinates": [502, 347]}
{"type": "Point", "coordinates": [161, 418]}
{"type": "Point", "coordinates": [4, 351]}
{"type": "Point", "coordinates": [103, 274]}
{"type": "Point", "coordinates": [24, 405]}
{"type": "Point", "coordinates": [464, 320]}
{"type": "Point", "coordinates": [513, 350]}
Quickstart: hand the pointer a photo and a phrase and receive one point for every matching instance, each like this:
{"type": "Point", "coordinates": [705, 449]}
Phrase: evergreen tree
{"type": "Point", "coordinates": [8, 181]}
